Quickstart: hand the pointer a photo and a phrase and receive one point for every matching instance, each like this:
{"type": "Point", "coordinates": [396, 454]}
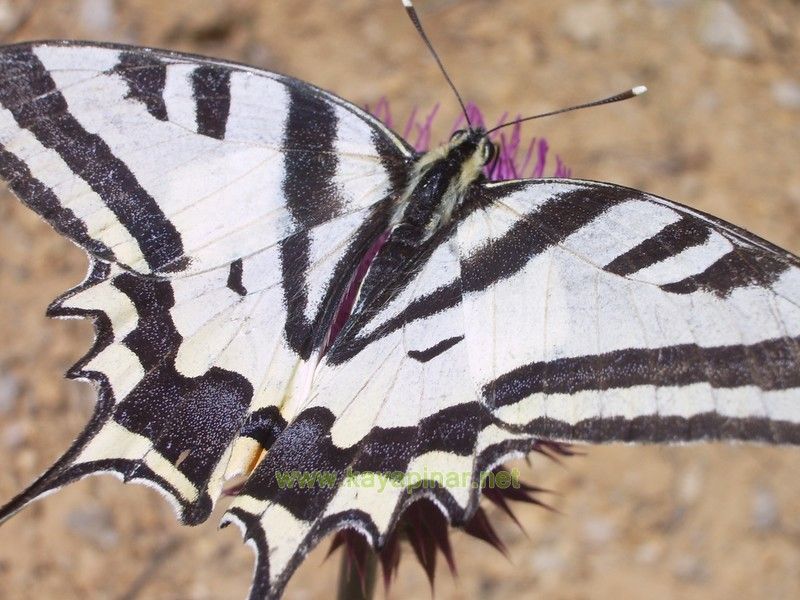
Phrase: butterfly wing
{"type": "Point", "coordinates": [223, 208]}
{"type": "Point", "coordinates": [552, 309]}
{"type": "Point", "coordinates": [392, 400]}
{"type": "Point", "coordinates": [627, 317]}
{"type": "Point", "coordinates": [169, 163]}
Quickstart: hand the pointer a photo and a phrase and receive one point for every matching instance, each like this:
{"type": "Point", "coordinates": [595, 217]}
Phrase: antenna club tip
{"type": "Point", "coordinates": [638, 90]}
{"type": "Point", "coordinates": [407, 4]}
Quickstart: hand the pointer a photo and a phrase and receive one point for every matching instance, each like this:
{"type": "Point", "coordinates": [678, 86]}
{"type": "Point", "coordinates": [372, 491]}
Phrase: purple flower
{"type": "Point", "coordinates": [425, 528]}
{"type": "Point", "coordinates": [515, 160]}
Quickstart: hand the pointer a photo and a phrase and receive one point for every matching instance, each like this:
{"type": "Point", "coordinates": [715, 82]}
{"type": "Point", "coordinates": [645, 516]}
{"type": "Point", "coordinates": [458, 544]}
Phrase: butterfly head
{"type": "Point", "coordinates": [470, 150]}
{"type": "Point", "coordinates": [478, 145]}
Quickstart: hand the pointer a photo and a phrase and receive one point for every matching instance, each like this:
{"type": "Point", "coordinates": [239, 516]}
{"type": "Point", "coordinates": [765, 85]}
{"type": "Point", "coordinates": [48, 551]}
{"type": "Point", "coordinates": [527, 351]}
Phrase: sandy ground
{"type": "Point", "coordinates": [719, 131]}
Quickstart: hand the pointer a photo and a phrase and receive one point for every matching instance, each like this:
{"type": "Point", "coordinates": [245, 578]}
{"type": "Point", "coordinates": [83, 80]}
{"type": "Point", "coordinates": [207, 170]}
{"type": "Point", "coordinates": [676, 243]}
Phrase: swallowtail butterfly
{"type": "Point", "coordinates": [226, 211]}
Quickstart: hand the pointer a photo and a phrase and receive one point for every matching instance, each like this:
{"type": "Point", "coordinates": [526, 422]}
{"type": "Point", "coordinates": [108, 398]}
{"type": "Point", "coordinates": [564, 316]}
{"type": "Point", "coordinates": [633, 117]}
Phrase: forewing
{"type": "Point", "coordinates": [597, 313]}
{"type": "Point", "coordinates": [170, 163]}
{"type": "Point", "coordinates": [224, 209]}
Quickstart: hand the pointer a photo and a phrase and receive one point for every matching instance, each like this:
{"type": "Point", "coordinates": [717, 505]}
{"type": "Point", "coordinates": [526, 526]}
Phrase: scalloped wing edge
{"type": "Point", "coordinates": [64, 470]}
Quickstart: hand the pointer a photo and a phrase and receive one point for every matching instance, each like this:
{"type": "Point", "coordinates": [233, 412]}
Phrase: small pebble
{"type": "Point", "coordinates": [97, 16]}
{"type": "Point", "coordinates": [9, 16]}
{"type": "Point", "coordinates": [764, 509]}
{"type": "Point", "coordinates": [725, 32]}
{"type": "Point", "coordinates": [548, 560]}
{"type": "Point", "coordinates": [14, 436]}
{"type": "Point", "coordinates": [9, 392]}
{"type": "Point", "coordinates": [25, 459]}
{"type": "Point", "coordinates": [707, 100]}
{"type": "Point", "coordinates": [690, 569]}
{"type": "Point", "coordinates": [648, 553]}
{"type": "Point", "coordinates": [599, 532]}
{"type": "Point", "coordinates": [690, 484]}
{"type": "Point", "coordinates": [668, 3]}
{"type": "Point", "coordinates": [588, 23]}
{"type": "Point", "coordinates": [786, 92]}
{"type": "Point", "coordinates": [95, 524]}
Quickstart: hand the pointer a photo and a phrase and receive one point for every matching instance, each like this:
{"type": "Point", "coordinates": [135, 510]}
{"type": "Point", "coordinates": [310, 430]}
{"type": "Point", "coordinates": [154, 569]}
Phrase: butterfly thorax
{"type": "Point", "coordinates": [439, 182]}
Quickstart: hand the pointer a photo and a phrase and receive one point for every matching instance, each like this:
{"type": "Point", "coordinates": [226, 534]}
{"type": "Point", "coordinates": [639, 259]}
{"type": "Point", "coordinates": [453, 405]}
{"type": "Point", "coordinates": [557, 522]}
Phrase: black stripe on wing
{"type": "Point", "coordinates": [741, 267]}
{"type": "Point", "coordinates": [686, 364]}
{"type": "Point", "coordinates": [552, 222]}
{"type": "Point", "coordinates": [668, 242]}
{"type": "Point", "coordinates": [424, 356]}
{"type": "Point", "coordinates": [42, 200]}
{"type": "Point", "coordinates": [146, 76]}
{"type": "Point", "coordinates": [310, 135]}
{"type": "Point", "coordinates": [705, 426]}
{"type": "Point", "coordinates": [235, 277]}
{"type": "Point", "coordinates": [211, 87]}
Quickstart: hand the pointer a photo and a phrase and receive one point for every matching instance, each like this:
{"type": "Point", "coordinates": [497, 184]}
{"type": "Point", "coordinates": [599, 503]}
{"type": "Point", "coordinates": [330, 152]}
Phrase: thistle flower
{"type": "Point", "coordinates": [515, 160]}
{"type": "Point", "coordinates": [423, 525]}
{"type": "Point", "coordinates": [425, 528]}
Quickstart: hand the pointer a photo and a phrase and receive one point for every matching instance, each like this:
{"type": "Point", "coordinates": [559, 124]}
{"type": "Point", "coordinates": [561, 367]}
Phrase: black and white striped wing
{"type": "Point", "coordinates": [223, 208]}
{"type": "Point", "coordinates": [394, 396]}
{"type": "Point", "coordinates": [596, 313]}
{"type": "Point", "coordinates": [553, 309]}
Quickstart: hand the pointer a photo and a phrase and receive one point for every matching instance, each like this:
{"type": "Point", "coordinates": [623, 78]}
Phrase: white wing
{"type": "Point", "coordinates": [168, 163]}
{"type": "Point", "coordinates": [627, 317]}
{"type": "Point", "coordinates": [401, 404]}
{"type": "Point", "coordinates": [224, 209]}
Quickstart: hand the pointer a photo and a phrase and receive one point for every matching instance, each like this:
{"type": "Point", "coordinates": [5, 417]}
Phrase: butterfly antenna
{"type": "Point", "coordinates": [626, 95]}
{"type": "Point", "coordinates": [412, 14]}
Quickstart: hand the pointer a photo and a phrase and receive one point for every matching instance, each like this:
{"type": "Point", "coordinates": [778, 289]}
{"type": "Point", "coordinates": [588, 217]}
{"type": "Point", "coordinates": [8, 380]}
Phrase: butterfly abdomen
{"type": "Point", "coordinates": [423, 218]}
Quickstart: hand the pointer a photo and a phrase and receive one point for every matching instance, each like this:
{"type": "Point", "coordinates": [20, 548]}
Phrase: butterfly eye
{"type": "Point", "coordinates": [489, 152]}
{"type": "Point", "coordinates": [458, 133]}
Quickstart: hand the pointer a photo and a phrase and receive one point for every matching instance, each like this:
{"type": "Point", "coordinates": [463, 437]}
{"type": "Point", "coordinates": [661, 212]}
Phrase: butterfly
{"type": "Point", "coordinates": [281, 285]}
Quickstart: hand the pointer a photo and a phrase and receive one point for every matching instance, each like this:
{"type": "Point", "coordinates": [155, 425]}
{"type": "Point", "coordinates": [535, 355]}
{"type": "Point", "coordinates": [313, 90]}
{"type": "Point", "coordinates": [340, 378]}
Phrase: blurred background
{"type": "Point", "coordinates": [719, 131]}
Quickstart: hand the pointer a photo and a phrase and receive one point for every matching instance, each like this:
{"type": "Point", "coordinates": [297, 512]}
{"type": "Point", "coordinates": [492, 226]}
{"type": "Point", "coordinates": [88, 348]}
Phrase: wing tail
{"type": "Point", "coordinates": [152, 424]}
